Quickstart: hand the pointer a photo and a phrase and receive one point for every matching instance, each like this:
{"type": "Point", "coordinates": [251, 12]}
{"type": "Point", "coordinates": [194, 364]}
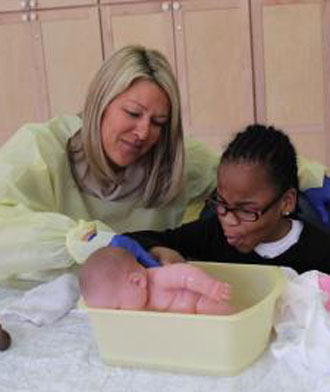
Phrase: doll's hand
{"type": "Point", "coordinates": [319, 198]}
{"type": "Point", "coordinates": [166, 255]}
{"type": "Point", "coordinates": [141, 255]}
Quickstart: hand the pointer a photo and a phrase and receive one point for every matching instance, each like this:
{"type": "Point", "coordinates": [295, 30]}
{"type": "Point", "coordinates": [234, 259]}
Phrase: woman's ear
{"type": "Point", "coordinates": [138, 279]}
{"type": "Point", "coordinates": [289, 201]}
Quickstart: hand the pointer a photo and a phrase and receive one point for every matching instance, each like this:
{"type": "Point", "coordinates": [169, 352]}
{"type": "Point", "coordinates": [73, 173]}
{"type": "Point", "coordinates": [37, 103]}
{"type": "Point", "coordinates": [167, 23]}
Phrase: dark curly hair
{"type": "Point", "coordinates": [269, 147]}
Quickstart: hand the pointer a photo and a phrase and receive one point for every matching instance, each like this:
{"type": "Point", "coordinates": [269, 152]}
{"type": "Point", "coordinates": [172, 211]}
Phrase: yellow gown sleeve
{"type": "Point", "coordinates": [201, 175]}
{"type": "Point", "coordinates": [202, 164]}
{"type": "Point", "coordinates": [310, 173]}
{"type": "Point", "coordinates": [34, 234]}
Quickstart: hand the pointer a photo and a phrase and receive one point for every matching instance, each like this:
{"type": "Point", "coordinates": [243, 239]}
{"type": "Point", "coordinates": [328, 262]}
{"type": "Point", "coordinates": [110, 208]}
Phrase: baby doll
{"type": "Point", "coordinates": [112, 278]}
{"type": "Point", "coordinates": [4, 339]}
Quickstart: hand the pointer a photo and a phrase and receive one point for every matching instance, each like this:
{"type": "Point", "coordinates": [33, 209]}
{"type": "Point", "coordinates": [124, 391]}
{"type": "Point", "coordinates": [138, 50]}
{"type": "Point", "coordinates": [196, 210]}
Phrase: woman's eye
{"type": "Point", "coordinates": [132, 114]}
{"type": "Point", "coordinates": [249, 212]}
{"type": "Point", "coordinates": [219, 200]}
{"type": "Point", "coordinates": [158, 123]}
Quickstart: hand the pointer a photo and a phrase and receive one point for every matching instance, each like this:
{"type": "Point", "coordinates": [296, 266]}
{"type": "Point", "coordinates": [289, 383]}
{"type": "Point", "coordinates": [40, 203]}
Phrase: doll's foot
{"type": "Point", "coordinates": [222, 291]}
{"type": "Point", "coordinates": [220, 308]}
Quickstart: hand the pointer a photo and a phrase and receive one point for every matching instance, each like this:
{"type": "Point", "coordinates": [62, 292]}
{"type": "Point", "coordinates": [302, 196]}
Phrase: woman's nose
{"type": "Point", "coordinates": [143, 128]}
{"type": "Point", "coordinates": [229, 219]}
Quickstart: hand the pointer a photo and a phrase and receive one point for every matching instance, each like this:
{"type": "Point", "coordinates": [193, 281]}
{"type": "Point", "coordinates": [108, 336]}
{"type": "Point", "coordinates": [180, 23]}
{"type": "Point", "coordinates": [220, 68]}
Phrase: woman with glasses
{"type": "Point", "coordinates": [255, 205]}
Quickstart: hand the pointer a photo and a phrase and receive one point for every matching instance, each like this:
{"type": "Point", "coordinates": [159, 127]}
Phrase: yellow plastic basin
{"type": "Point", "coordinates": [200, 344]}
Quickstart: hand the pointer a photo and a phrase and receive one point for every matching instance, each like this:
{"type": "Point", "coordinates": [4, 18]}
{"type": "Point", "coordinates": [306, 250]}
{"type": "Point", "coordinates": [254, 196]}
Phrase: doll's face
{"type": "Point", "coordinates": [129, 291]}
{"type": "Point", "coordinates": [112, 278]}
{"type": "Point", "coordinates": [133, 295]}
{"type": "Point", "coordinates": [248, 186]}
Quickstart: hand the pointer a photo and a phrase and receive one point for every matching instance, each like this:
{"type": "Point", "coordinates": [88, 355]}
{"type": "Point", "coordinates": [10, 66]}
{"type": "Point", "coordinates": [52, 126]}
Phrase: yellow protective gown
{"type": "Point", "coordinates": [45, 219]}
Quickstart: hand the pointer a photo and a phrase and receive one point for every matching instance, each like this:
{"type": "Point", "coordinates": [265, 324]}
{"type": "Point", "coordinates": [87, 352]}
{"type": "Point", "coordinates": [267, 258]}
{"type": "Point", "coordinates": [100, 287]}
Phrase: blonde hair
{"type": "Point", "coordinates": [165, 160]}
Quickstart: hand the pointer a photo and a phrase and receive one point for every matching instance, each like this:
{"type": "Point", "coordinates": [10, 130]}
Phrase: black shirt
{"type": "Point", "coordinates": [204, 240]}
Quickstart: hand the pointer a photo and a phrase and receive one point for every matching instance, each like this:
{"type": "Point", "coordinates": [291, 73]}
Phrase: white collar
{"type": "Point", "coordinates": [270, 250]}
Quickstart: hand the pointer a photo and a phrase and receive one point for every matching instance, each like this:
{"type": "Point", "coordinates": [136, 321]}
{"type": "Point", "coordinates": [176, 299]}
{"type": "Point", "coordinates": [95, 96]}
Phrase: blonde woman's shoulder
{"type": "Point", "coordinates": [46, 137]}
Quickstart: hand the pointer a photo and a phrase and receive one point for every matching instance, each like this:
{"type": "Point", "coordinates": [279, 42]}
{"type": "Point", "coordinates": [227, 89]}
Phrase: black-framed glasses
{"type": "Point", "coordinates": [241, 214]}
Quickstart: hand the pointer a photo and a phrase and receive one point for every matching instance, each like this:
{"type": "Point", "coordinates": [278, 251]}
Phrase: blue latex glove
{"type": "Point", "coordinates": [142, 256]}
{"type": "Point", "coordinates": [320, 200]}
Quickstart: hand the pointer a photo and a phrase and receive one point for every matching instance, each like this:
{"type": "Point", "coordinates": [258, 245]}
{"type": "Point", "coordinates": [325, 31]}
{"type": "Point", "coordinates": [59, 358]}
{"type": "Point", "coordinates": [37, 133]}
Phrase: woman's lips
{"type": "Point", "coordinates": [233, 240]}
{"type": "Point", "coordinates": [131, 146]}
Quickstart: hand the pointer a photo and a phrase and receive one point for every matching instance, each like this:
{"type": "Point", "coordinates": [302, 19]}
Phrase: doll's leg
{"type": "Point", "coordinates": [206, 305]}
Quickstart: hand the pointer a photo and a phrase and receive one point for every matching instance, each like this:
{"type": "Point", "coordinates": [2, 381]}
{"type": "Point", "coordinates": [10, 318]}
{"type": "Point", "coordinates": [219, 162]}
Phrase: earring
{"type": "Point", "coordinates": [286, 213]}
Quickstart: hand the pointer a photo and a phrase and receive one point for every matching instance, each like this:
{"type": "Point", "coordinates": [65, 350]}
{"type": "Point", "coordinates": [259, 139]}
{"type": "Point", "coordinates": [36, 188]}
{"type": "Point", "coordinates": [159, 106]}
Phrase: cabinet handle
{"type": "Point", "coordinates": [33, 3]}
{"type": "Point", "coordinates": [166, 6]}
{"type": "Point", "coordinates": [176, 6]}
{"type": "Point", "coordinates": [24, 4]}
{"type": "Point", "coordinates": [33, 16]}
{"type": "Point", "coordinates": [25, 18]}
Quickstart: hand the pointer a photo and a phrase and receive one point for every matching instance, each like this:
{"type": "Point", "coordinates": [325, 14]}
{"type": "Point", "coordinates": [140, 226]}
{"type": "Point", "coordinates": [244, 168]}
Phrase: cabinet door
{"type": "Point", "coordinates": [149, 24]}
{"type": "Point", "coordinates": [24, 5]}
{"type": "Point", "coordinates": [72, 51]}
{"type": "Point", "coordinates": [41, 4]}
{"type": "Point", "coordinates": [22, 94]}
{"type": "Point", "coordinates": [291, 47]}
{"type": "Point", "coordinates": [13, 5]}
{"type": "Point", "coordinates": [214, 67]}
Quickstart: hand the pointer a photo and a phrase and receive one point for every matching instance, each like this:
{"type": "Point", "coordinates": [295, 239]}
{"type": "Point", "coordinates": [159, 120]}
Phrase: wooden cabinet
{"type": "Point", "coordinates": [27, 5]}
{"type": "Point", "coordinates": [20, 92]}
{"type": "Point", "coordinates": [47, 60]}
{"type": "Point", "coordinates": [149, 23]}
{"type": "Point", "coordinates": [214, 67]}
{"type": "Point", "coordinates": [291, 42]}
{"type": "Point", "coordinates": [208, 44]}
{"type": "Point", "coordinates": [42, 4]}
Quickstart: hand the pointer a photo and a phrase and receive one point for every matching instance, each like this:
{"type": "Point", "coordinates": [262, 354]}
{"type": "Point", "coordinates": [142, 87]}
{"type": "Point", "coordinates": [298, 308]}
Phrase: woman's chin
{"type": "Point", "coordinates": [243, 248]}
{"type": "Point", "coordinates": [120, 164]}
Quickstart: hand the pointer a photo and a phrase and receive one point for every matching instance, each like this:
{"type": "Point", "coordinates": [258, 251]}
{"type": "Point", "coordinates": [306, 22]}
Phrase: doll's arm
{"type": "Point", "coordinates": [186, 276]}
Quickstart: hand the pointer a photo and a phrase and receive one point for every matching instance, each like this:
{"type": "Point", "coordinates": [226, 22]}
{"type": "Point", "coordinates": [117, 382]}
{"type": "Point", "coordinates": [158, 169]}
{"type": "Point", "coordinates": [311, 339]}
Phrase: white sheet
{"type": "Point", "coordinates": [63, 357]}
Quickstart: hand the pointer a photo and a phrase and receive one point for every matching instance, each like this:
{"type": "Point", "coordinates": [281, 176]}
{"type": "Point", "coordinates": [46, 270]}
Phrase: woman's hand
{"type": "Point", "coordinates": [166, 255]}
{"type": "Point", "coordinates": [132, 246]}
{"type": "Point", "coordinates": [158, 255]}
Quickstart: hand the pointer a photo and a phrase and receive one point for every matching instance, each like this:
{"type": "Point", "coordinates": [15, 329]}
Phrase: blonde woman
{"type": "Point", "coordinates": [68, 184]}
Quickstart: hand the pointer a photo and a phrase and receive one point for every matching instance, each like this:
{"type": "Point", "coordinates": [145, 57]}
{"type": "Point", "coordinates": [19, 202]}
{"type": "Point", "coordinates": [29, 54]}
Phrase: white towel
{"type": "Point", "coordinates": [47, 302]}
{"type": "Point", "coordinates": [302, 324]}
{"type": "Point", "coordinates": [64, 357]}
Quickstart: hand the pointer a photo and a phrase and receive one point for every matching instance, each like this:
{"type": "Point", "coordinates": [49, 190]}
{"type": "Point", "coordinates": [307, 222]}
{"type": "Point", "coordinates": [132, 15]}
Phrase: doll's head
{"type": "Point", "coordinates": [112, 278]}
